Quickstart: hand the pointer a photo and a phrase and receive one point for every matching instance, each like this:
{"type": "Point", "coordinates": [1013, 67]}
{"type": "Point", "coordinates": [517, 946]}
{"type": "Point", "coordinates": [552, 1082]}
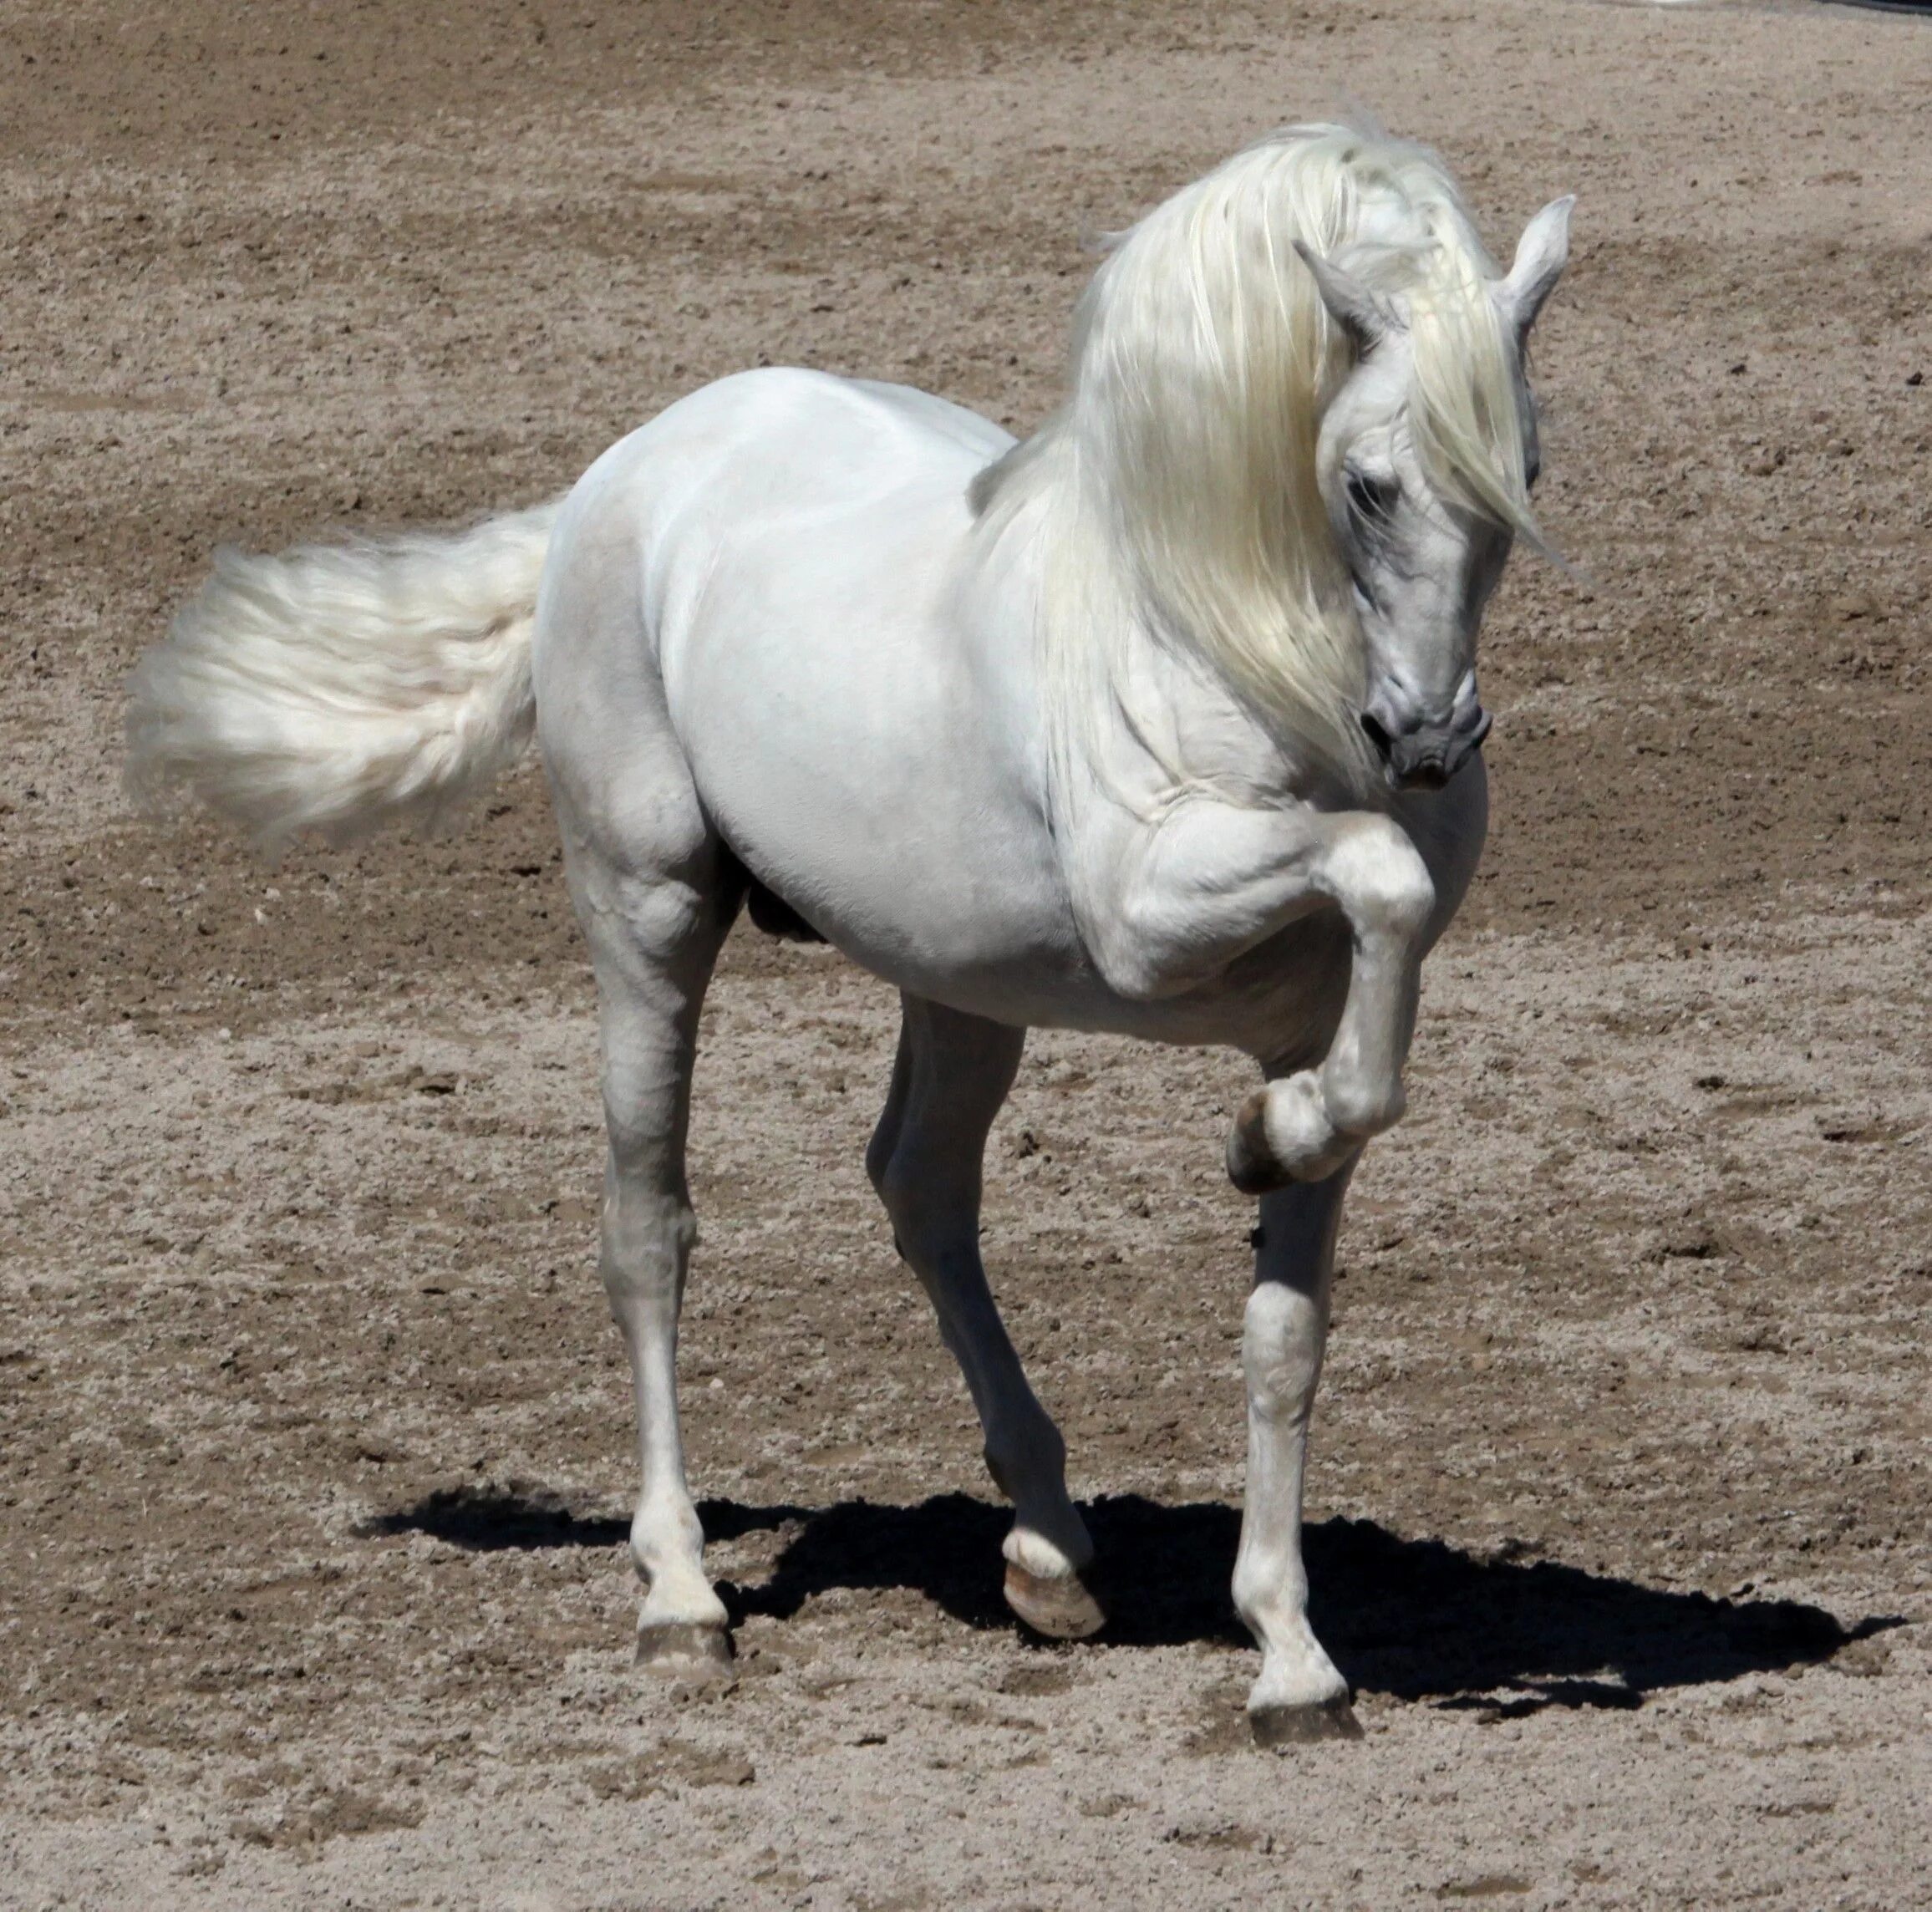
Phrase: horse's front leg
{"type": "Point", "coordinates": [1299, 1694]}
{"type": "Point", "coordinates": [1304, 1126]}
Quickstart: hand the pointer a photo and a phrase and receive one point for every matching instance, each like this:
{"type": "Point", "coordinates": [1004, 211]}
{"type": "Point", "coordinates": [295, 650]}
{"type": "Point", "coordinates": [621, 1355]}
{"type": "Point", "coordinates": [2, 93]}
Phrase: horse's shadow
{"type": "Point", "coordinates": [1416, 1618]}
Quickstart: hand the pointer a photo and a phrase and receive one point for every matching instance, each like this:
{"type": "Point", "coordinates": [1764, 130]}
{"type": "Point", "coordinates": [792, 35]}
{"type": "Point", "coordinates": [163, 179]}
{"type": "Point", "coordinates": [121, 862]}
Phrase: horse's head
{"type": "Point", "coordinates": [1423, 549]}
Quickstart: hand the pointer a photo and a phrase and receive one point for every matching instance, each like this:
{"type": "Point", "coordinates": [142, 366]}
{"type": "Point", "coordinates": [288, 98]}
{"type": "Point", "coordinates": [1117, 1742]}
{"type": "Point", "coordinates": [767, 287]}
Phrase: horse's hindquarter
{"type": "Point", "coordinates": [854, 702]}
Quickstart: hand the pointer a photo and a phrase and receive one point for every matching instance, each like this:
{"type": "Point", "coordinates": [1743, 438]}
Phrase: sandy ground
{"type": "Point", "coordinates": [316, 1436]}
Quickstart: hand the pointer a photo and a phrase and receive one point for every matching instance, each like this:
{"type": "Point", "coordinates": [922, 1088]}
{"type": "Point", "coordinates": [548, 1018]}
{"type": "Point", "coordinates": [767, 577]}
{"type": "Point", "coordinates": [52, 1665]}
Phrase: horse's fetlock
{"type": "Point", "coordinates": [1020, 1459]}
{"type": "Point", "coordinates": [1267, 1592]}
{"type": "Point", "coordinates": [667, 1537]}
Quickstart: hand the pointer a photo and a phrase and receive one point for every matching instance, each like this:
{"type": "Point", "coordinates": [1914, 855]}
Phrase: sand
{"type": "Point", "coordinates": [316, 1446]}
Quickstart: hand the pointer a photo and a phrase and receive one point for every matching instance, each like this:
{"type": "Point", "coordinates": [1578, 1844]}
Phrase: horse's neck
{"type": "Point", "coordinates": [1170, 725]}
{"type": "Point", "coordinates": [1124, 720]}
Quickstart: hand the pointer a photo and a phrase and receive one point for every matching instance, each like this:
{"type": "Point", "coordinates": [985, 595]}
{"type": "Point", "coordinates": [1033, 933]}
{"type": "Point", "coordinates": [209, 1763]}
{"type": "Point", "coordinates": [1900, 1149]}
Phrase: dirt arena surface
{"type": "Point", "coordinates": [317, 1447]}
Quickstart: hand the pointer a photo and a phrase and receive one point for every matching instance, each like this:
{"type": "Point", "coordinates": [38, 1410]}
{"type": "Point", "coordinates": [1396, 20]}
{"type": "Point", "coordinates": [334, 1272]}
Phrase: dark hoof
{"type": "Point", "coordinates": [1251, 1164]}
{"type": "Point", "coordinates": [1061, 1608]}
{"type": "Point", "coordinates": [1297, 1725]}
{"type": "Point", "coordinates": [685, 1650]}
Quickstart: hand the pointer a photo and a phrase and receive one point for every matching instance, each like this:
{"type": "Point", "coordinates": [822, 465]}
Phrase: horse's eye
{"type": "Point", "coordinates": [1372, 501]}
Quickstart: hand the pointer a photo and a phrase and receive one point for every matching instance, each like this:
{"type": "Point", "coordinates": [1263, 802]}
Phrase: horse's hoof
{"type": "Point", "coordinates": [1251, 1164]}
{"type": "Point", "coordinates": [1062, 1608]}
{"type": "Point", "coordinates": [1282, 1134]}
{"type": "Point", "coordinates": [1297, 1725]}
{"type": "Point", "coordinates": [685, 1650]}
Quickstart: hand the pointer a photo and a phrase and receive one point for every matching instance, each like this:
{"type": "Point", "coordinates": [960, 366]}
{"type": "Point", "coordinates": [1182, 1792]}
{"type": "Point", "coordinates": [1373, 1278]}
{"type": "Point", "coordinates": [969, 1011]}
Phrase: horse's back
{"type": "Point", "coordinates": [749, 441]}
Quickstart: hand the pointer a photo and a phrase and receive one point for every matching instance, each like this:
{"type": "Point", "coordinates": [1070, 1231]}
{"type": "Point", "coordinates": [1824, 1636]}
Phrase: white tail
{"type": "Point", "coordinates": [335, 688]}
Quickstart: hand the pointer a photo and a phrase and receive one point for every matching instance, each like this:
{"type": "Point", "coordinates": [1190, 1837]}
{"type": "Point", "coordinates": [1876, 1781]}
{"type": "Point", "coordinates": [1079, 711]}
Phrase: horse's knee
{"type": "Point", "coordinates": [1360, 1104]}
{"type": "Point", "coordinates": [665, 1529]}
{"type": "Point", "coordinates": [1281, 1349]}
{"type": "Point", "coordinates": [1377, 875]}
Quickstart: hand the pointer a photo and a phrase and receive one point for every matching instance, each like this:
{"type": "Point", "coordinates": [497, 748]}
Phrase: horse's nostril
{"type": "Point", "coordinates": [1373, 731]}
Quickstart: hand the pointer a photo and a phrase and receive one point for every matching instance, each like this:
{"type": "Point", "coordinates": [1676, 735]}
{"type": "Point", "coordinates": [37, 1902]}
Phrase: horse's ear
{"type": "Point", "coordinates": [1366, 319]}
{"type": "Point", "coordinates": [1541, 255]}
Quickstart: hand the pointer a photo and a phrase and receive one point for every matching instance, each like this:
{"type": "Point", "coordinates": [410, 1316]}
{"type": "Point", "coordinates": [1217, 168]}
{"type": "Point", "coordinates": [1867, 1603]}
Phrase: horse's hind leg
{"type": "Point", "coordinates": [952, 1074]}
{"type": "Point", "coordinates": [654, 936]}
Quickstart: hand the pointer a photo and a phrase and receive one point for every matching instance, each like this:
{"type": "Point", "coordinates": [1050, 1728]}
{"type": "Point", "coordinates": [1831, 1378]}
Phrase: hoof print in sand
{"type": "Point", "coordinates": [1275, 1726]}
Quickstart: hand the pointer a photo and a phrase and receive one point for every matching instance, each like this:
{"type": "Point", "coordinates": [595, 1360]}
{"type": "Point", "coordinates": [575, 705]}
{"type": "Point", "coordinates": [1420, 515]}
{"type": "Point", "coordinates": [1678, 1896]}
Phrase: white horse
{"type": "Point", "coordinates": [1163, 722]}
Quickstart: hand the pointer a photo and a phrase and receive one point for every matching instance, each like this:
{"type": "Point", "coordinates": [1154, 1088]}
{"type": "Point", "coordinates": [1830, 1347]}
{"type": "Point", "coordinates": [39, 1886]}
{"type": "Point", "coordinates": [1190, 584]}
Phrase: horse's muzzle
{"type": "Point", "coordinates": [1426, 755]}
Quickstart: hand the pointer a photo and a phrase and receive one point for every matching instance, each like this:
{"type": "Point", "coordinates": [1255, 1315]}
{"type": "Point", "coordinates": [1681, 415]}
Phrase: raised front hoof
{"type": "Point", "coordinates": [685, 1650]}
{"type": "Point", "coordinates": [1061, 1608]}
{"type": "Point", "coordinates": [1302, 1148]}
{"type": "Point", "coordinates": [1251, 1164]}
{"type": "Point", "coordinates": [1275, 1727]}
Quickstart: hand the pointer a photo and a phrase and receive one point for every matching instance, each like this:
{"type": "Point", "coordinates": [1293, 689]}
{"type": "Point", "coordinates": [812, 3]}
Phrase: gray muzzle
{"type": "Point", "coordinates": [1423, 756]}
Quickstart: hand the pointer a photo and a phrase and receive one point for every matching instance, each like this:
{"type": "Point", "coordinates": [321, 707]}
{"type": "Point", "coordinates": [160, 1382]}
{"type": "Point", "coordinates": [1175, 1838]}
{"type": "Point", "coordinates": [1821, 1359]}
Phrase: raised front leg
{"type": "Point", "coordinates": [1168, 896]}
{"type": "Point", "coordinates": [951, 1075]}
{"type": "Point", "coordinates": [1299, 1694]}
{"type": "Point", "coordinates": [1168, 907]}
{"type": "Point", "coordinates": [1302, 1127]}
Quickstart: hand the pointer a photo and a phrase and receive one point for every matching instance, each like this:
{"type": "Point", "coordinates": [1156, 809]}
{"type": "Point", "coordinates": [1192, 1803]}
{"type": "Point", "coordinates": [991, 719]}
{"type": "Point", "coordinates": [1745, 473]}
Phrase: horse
{"type": "Point", "coordinates": [1164, 722]}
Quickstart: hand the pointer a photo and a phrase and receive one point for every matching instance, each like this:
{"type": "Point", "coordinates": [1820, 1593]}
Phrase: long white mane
{"type": "Point", "coordinates": [1177, 484]}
